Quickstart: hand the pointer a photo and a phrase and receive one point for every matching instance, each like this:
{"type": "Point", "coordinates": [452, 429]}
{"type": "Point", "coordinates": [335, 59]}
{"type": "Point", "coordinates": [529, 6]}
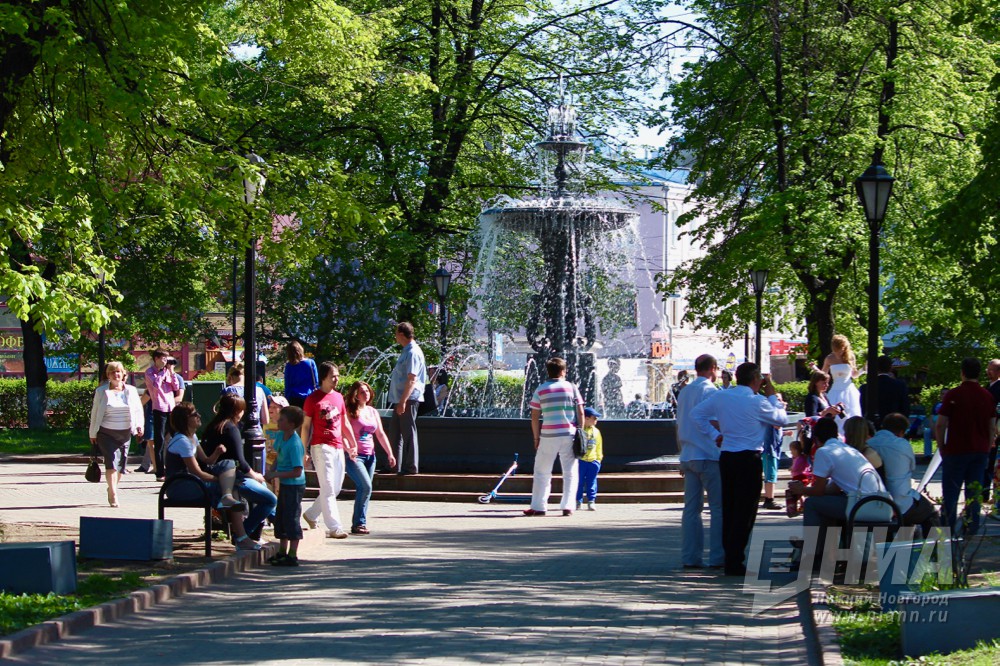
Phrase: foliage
{"type": "Point", "coordinates": [18, 611]}
{"type": "Point", "coordinates": [69, 401]}
{"type": "Point", "coordinates": [794, 394]}
{"type": "Point", "coordinates": [783, 107]}
{"type": "Point", "coordinates": [471, 391]}
{"type": "Point", "coordinates": [459, 104]}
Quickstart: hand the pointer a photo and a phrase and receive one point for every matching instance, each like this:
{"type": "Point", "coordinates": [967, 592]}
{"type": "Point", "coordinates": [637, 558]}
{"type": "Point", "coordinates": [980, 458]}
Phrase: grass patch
{"type": "Point", "coordinates": [18, 611]}
{"type": "Point", "coordinates": [25, 441]}
{"type": "Point", "coordinates": [869, 637]}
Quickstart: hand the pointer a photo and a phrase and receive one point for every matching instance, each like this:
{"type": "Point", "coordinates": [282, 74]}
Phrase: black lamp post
{"type": "Point", "coordinates": [101, 337]}
{"type": "Point", "coordinates": [758, 279]}
{"type": "Point", "coordinates": [253, 186]}
{"type": "Point", "coordinates": [442, 283]}
{"type": "Point", "coordinates": [874, 187]}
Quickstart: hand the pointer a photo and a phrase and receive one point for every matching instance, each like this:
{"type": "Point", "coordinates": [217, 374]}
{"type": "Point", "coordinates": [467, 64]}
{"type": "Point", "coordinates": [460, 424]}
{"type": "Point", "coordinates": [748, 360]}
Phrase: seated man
{"type": "Point", "coordinates": [837, 469]}
{"type": "Point", "coordinates": [899, 463]}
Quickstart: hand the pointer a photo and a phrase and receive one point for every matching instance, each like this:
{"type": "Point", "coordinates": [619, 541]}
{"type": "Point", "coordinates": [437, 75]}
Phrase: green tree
{"type": "Point", "coordinates": [786, 105]}
{"type": "Point", "coordinates": [424, 151]}
{"type": "Point", "coordinates": [125, 131]}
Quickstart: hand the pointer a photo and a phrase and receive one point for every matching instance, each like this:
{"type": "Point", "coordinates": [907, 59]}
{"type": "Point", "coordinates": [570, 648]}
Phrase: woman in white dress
{"type": "Point", "coordinates": [840, 364]}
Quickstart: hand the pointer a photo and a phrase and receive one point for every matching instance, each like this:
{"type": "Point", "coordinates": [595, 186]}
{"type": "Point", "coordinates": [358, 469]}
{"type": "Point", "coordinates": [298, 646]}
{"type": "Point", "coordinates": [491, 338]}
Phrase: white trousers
{"type": "Point", "coordinates": [329, 464]}
{"type": "Point", "coordinates": [545, 458]}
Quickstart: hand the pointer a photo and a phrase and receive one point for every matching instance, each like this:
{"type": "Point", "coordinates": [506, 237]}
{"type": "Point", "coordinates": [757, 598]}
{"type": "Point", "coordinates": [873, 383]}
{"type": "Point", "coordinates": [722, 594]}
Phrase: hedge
{"type": "Point", "coordinates": [68, 403]}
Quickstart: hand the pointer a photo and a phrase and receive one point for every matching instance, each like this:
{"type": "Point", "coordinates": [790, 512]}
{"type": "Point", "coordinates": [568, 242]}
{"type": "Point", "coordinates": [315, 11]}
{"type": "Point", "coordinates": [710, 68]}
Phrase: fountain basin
{"type": "Point", "coordinates": [488, 445]}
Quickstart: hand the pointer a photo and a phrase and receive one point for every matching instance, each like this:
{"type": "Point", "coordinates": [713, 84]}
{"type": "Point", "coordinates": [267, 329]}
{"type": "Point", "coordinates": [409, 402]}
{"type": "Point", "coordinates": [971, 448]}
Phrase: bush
{"type": "Point", "coordinates": [276, 384]}
{"type": "Point", "coordinates": [469, 391]}
{"type": "Point", "coordinates": [68, 403]}
{"type": "Point", "coordinates": [794, 394]}
{"type": "Point", "coordinates": [13, 403]}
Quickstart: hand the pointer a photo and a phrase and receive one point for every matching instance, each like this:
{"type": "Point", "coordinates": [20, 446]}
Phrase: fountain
{"type": "Point", "coordinates": [572, 254]}
{"type": "Point", "coordinates": [563, 222]}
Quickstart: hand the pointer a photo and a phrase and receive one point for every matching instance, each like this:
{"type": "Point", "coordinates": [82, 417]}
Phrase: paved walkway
{"type": "Point", "coordinates": [435, 583]}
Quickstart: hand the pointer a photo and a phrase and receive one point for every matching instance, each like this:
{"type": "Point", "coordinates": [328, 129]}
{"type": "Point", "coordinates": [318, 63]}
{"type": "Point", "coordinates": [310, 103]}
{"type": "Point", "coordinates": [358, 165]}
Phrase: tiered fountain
{"type": "Point", "coordinates": [564, 220]}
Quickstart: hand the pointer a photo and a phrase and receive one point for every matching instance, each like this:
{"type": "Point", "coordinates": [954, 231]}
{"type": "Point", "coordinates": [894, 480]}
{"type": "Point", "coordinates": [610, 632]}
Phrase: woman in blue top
{"type": "Point", "coordinates": [301, 375]}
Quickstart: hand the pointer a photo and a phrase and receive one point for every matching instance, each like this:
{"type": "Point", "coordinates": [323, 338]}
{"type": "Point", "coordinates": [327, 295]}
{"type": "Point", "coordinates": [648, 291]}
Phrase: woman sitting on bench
{"type": "Point", "coordinates": [183, 455]}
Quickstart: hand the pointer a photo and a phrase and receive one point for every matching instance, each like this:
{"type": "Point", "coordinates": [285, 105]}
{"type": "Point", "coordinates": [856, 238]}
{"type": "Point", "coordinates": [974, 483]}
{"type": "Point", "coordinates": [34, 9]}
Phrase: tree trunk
{"type": "Point", "coordinates": [35, 374]}
{"type": "Point", "coordinates": [820, 323]}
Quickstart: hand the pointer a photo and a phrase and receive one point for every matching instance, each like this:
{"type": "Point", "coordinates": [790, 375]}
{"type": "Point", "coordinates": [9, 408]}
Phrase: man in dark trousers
{"type": "Point", "coordinates": [965, 429]}
{"type": "Point", "coordinates": [892, 394]}
{"type": "Point", "coordinates": [744, 420]}
{"type": "Point", "coordinates": [993, 374]}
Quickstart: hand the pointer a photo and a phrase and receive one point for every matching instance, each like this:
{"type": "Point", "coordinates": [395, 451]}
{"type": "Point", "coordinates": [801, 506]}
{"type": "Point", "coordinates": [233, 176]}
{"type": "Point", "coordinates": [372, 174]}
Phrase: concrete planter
{"type": "Point", "coordinates": [949, 620]}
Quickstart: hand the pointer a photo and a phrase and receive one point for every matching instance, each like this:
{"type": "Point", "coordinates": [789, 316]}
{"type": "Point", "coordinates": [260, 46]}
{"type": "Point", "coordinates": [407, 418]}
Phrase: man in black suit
{"type": "Point", "coordinates": [993, 373]}
{"type": "Point", "coordinates": [892, 393]}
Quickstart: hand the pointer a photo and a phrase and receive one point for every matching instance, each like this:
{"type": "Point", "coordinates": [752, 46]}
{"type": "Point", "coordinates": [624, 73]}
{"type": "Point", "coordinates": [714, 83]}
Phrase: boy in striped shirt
{"type": "Point", "coordinates": [556, 408]}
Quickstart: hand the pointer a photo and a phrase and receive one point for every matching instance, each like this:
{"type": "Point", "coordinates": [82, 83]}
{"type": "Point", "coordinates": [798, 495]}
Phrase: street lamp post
{"type": "Point", "coordinates": [873, 187]}
{"type": "Point", "coordinates": [442, 283]}
{"type": "Point", "coordinates": [253, 436]}
{"type": "Point", "coordinates": [101, 336]}
{"type": "Point", "coordinates": [758, 279]}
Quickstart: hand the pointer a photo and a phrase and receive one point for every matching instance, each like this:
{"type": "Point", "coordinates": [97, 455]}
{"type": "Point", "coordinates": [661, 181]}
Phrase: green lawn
{"type": "Point", "coordinates": [871, 638]}
{"type": "Point", "coordinates": [22, 440]}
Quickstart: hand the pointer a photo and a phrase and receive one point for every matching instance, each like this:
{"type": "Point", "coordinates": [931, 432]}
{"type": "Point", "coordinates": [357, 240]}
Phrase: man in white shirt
{"type": "Point", "coordinates": [899, 463]}
{"type": "Point", "coordinates": [743, 420]}
{"type": "Point", "coordinates": [700, 467]}
{"type": "Point", "coordinates": [837, 469]}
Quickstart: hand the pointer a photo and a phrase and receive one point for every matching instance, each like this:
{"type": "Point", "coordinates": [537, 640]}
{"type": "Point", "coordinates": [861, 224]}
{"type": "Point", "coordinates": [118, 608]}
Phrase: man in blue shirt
{"type": "Point", "coordinates": [743, 420]}
{"type": "Point", "coordinates": [406, 391]}
{"type": "Point", "coordinates": [700, 467]}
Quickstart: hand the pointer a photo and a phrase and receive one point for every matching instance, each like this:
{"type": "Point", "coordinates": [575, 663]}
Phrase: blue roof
{"type": "Point", "coordinates": [653, 176]}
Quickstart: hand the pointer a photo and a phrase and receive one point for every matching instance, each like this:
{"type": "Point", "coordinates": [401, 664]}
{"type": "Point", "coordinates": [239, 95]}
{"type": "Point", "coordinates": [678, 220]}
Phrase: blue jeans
{"type": "Point", "coordinates": [588, 480]}
{"type": "Point", "coordinates": [361, 470]}
{"type": "Point", "coordinates": [700, 477]}
{"type": "Point", "coordinates": [261, 500]}
{"type": "Point", "coordinates": [958, 470]}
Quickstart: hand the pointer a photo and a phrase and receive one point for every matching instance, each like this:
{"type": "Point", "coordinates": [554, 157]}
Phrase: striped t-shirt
{"type": "Point", "coordinates": [557, 399]}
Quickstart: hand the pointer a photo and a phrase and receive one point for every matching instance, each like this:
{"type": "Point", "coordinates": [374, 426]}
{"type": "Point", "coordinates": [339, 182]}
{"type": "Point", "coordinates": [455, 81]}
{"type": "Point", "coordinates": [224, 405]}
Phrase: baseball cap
{"type": "Point", "coordinates": [590, 411]}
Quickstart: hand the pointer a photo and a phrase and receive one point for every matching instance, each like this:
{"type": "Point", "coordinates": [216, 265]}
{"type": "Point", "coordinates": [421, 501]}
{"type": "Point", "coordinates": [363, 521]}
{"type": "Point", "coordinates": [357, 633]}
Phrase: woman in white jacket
{"type": "Point", "coordinates": [114, 418]}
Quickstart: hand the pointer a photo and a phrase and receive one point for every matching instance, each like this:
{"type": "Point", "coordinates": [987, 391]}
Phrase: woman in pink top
{"type": "Point", "coordinates": [367, 424]}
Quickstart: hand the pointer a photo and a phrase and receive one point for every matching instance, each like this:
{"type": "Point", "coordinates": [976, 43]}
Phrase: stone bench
{"type": "Point", "coordinates": [38, 568]}
{"type": "Point", "coordinates": [126, 538]}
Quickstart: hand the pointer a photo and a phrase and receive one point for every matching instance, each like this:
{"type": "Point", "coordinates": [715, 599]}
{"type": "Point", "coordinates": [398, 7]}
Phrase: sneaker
{"type": "Point", "coordinates": [336, 534]}
{"type": "Point", "coordinates": [309, 521]}
{"type": "Point", "coordinates": [230, 503]}
{"type": "Point", "coordinates": [360, 529]}
{"type": "Point", "coordinates": [567, 512]}
{"type": "Point", "coordinates": [275, 558]}
{"type": "Point", "coordinates": [771, 505]}
{"type": "Point", "coordinates": [532, 512]}
{"type": "Point", "coordinates": [591, 507]}
{"type": "Point", "coordinates": [246, 543]}
{"type": "Point", "coordinates": [142, 470]}
{"type": "Point", "coordinates": [287, 561]}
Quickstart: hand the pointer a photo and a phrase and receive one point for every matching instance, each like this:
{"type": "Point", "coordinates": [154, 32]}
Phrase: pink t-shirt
{"type": "Point", "coordinates": [327, 412]}
{"type": "Point", "coordinates": [364, 429]}
{"type": "Point", "coordinates": [800, 468]}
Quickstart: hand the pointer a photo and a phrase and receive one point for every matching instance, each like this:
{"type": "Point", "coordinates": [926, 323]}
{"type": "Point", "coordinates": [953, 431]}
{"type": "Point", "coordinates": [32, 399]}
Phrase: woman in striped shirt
{"type": "Point", "coordinates": [114, 418]}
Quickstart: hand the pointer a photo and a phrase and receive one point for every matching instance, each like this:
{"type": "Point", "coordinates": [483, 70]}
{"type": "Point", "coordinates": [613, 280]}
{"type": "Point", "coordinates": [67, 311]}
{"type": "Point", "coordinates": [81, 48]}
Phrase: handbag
{"type": "Point", "coordinates": [93, 473]}
{"type": "Point", "coordinates": [872, 512]}
{"type": "Point", "coordinates": [579, 442]}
